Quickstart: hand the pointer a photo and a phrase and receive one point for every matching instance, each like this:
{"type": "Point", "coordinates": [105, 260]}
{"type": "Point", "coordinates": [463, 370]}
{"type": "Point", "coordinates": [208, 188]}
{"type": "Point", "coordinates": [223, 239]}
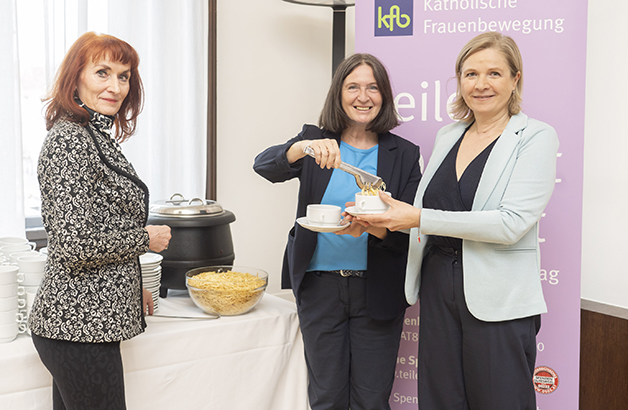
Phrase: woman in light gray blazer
{"type": "Point", "coordinates": [474, 250]}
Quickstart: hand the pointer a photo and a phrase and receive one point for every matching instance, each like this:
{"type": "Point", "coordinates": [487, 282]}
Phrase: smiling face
{"type": "Point", "coordinates": [361, 99]}
{"type": "Point", "coordinates": [103, 85]}
{"type": "Point", "coordinates": [486, 83]}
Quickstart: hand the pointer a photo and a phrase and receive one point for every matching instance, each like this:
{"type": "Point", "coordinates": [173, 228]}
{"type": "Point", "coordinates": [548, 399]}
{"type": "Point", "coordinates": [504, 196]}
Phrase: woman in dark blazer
{"type": "Point", "coordinates": [348, 285]}
{"type": "Point", "coordinates": [474, 257]}
{"type": "Point", "coordinates": [94, 209]}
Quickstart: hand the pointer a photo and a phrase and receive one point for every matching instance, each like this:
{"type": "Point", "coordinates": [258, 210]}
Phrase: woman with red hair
{"type": "Point", "coordinates": [94, 209]}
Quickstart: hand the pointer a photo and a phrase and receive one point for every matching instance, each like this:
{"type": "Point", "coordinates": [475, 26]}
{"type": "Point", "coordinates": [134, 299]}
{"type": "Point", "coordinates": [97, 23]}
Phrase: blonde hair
{"type": "Point", "coordinates": [508, 48]}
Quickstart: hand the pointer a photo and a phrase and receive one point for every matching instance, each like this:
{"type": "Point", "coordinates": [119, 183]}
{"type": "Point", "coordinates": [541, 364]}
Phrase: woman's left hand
{"type": "Point", "coordinates": [358, 227]}
{"type": "Point", "coordinates": [400, 215]}
{"type": "Point", "coordinates": [148, 306]}
{"type": "Point", "coordinates": [355, 228]}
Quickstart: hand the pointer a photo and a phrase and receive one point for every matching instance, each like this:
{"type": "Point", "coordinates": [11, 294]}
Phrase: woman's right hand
{"type": "Point", "coordinates": [159, 236]}
{"type": "Point", "coordinates": [326, 151]}
{"type": "Point", "coordinates": [399, 216]}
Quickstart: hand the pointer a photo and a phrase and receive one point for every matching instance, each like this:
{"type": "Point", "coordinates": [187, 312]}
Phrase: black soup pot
{"type": "Point", "coordinates": [201, 236]}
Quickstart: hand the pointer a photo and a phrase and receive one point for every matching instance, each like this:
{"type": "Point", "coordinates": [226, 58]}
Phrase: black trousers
{"type": "Point", "coordinates": [350, 357]}
{"type": "Point", "coordinates": [85, 375]}
{"type": "Point", "coordinates": [466, 363]}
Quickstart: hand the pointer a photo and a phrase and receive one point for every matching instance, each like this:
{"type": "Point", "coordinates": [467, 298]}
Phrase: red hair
{"type": "Point", "coordinates": [61, 103]}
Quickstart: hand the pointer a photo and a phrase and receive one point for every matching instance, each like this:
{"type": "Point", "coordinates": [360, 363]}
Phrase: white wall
{"type": "Point", "coordinates": [605, 220]}
{"type": "Point", "coordinates": [274, 67]}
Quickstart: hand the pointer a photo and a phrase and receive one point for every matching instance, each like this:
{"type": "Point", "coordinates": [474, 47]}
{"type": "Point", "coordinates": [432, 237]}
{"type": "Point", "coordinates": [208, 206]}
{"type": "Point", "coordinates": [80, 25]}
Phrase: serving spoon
{"type": "Point", "coordinates": [364, 179]}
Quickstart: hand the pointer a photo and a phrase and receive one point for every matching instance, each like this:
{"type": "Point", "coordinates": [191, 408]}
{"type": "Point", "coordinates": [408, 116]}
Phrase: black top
{"type": "Point", "coordinates": [446, 193]}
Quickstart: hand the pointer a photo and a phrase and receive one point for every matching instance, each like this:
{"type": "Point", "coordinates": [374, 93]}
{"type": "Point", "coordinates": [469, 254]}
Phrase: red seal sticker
{"type": "Point", "coordinates": [545, 380]}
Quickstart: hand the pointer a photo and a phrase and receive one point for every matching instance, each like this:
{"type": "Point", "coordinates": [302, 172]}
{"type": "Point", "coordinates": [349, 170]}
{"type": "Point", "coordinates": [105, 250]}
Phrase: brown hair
{"type": "Point", "coordinates": [508, 48]}
{"type": "Point", "coordinates": [333, 117]}
{"type": "Point", "coordinates": [60, 98]}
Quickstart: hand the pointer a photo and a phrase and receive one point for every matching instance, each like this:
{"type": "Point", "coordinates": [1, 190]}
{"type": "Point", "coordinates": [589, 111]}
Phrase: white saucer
{"type": "Point", "coordinates": [353, 210]}
{"type": "Point", "coordinates": [320, 228]}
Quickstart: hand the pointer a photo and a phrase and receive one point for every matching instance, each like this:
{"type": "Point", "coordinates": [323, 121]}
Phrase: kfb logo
{"type": "Point", "coordinates": [393, 17]}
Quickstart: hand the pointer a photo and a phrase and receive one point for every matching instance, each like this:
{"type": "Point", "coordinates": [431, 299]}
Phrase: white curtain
{"type": "Point", "coordinates": [11, 181]}
{"type": "Point", "coordinates": [169, 149]}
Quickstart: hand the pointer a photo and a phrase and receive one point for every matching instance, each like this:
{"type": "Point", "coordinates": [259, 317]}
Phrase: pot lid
{"type": "Point", "coordinates": [178, 206]}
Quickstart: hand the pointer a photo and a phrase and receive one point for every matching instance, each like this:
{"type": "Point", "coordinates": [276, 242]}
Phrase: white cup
{"type": "Point", "coordinates": [7, 250]}
{"type": "Point", "coordinates": [8, 291]}
{"type": "Point", "coordinates": [22, 315]}
{"type": "Point", "coordinates": [320, 214]}
{"type": "Point", "coordinates": [13, 257]}
{"type": "Point", "coordinates": [8, 332]}
{"type": "Point", "coordinates": [8, 275]}
{"type": "Point", "coordinates": [10, 303]}
{"type": "Point", "coordinates": [22, 327]}
{"type": "Point", "coordinates": [370, 203]}
{"type": "Point", "coordinates": [12, 240]}
{"type": "Point", "coordinates": [32, 264]}
{"type": "Point", "coordinates": [10, 316]}
{"type": "Point", "coordinates": [30, 298]}
{"type": "Point", "coordinates": [29, 279]}
{"type": "Point", "coordinates": [29, 288]}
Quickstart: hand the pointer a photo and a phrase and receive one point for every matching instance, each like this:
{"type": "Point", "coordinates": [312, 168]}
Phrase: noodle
{"type": "Point", "coordinates": [226, 293]}
{"type": "Point", "coordinates": [368, 189]}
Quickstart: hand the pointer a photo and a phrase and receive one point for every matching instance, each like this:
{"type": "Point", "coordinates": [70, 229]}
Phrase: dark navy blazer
{"type": "Point", "coordinates": [398, 166]}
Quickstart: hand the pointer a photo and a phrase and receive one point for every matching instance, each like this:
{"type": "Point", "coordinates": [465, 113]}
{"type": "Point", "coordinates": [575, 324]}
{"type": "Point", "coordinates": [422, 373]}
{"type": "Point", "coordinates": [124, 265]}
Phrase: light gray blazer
{"type": "Point", "coordinates": [499, 235]}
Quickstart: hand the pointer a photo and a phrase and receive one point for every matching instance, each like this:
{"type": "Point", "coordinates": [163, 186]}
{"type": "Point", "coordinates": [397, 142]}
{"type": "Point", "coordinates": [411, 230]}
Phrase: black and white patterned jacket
{"type": "Point", "coordinates": [94, 209]}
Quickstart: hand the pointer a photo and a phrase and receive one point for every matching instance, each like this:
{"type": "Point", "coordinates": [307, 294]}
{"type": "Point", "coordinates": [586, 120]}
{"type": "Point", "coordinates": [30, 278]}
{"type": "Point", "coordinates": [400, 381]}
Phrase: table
{"type": "Point", "coordinates": [252, 361]}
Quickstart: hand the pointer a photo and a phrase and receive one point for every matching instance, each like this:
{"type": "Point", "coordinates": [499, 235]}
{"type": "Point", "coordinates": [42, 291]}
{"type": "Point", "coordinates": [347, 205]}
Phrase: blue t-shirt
{"type": "Point", "coordinates": [334, 252]}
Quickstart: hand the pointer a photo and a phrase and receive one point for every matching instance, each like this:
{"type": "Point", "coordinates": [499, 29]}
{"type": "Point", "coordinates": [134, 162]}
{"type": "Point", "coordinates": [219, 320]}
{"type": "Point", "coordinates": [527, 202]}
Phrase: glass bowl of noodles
{"type": "Point", "coordinates": [226, 290]}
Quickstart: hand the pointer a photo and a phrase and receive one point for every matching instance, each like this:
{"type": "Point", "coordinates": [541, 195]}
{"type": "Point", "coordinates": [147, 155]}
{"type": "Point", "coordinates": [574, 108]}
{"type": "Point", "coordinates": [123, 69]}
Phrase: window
{"type": "Point", "coordinates": [46, 29]}
{"type": "Point", "coordinates": [170, 148]}
{"type": "Point", "coordinates": [31, 51]}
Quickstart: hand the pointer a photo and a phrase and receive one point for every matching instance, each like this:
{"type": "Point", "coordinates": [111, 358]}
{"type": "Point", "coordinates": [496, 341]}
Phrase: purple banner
{"type": "Point", "coordinates": [419, 44]}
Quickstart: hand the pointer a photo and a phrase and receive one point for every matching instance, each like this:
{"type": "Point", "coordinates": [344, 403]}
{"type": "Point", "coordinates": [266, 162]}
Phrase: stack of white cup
{"type": "Point", "coordinates": [30, 274]}
{"type": "Point", "coordinates": [10, 245]}
{"type": "Point", "coordinates": [13, 256]}
{"type": "Point", "coordinates": [21, 272]}
{"type": "Point", "coordinates": [10, 304]}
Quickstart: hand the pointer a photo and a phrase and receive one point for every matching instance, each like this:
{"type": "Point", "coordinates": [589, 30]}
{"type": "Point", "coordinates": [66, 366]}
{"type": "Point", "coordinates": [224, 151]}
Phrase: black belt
{"type": "Point", "coordinates": [345, 273]}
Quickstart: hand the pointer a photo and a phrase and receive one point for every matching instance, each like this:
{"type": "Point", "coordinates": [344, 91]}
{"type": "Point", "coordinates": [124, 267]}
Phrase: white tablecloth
{"type": "Point", "coordinates": [252, 361]}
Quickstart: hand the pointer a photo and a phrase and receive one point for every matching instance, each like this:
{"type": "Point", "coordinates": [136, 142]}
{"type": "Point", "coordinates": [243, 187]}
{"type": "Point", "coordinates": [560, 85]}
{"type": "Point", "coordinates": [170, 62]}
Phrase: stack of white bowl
{"type": "Point", "coordinates": [150, 264]}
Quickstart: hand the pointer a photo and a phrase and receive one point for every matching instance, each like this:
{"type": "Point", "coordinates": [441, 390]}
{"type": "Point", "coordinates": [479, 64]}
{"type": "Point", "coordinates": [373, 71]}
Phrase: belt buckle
{"type": "Point", "coordinates": [345, 274]}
